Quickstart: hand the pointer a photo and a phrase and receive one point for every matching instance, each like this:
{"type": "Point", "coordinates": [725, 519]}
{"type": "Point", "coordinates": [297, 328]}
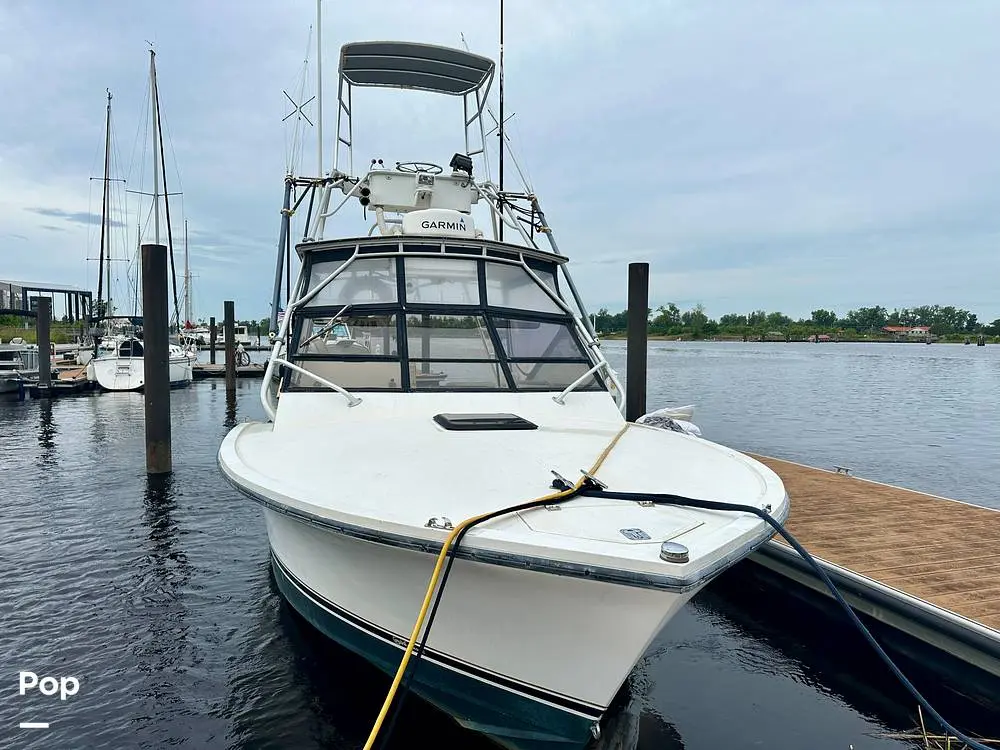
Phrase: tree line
{"type": "Point", "coordinates": [669, 320]}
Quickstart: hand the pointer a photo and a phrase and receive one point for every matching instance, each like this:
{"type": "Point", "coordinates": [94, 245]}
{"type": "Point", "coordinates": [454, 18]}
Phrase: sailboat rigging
{"type": "Point", "coordinates": [187, 279]}
{"type": "Point", "coordinates": [118, 363]}
{"type": "Point", "coordinates": [104, 214]}
{"type": "Point", "coordinates": [158, 142]}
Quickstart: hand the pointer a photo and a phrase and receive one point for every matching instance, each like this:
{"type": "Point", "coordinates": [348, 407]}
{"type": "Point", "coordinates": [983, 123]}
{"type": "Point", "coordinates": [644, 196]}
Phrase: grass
{"type": "Point", "coordinates": [59, 334]}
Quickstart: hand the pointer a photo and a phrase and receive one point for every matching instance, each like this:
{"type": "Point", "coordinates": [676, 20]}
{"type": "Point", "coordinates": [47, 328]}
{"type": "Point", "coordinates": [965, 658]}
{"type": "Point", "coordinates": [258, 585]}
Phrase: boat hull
{"type": "Point", "coordinates": [520, 655]}
{"type": "Point", "coordinates": [128, 373]}
{"type": "Point", "coordinates": [12, 386]}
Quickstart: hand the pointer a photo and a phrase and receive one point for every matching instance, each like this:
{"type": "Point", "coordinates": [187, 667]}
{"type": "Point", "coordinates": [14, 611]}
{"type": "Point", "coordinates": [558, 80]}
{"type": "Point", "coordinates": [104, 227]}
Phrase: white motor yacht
{"type": "Point", "coordinates": [464, 377]}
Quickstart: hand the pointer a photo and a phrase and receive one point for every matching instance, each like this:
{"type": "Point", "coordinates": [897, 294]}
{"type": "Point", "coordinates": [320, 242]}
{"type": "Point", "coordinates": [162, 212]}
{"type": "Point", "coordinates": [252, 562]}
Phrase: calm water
{"type": "Point", "coordinates": [924, 417]}
{"type": "Point", "coordinates": [158, 597]}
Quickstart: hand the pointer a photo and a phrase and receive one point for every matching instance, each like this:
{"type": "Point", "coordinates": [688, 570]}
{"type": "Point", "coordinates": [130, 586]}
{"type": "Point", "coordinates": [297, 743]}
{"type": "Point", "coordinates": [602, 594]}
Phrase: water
{"type": "Point", "coordinates": [923, 417]}
{"type": "Point", "coordinates": [157, 595]}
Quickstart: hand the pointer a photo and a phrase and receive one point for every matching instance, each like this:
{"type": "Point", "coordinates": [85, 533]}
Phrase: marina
{"type": "Point", "coordinates": [188, 558]}
{"type": "Point", "coordinates": [440, 494]}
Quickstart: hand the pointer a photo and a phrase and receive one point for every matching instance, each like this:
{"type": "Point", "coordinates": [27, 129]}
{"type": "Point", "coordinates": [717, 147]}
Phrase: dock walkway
{"type": "Point", "coordinates": [203, 370]}
{"type": "Point", "coordinates": [926, 565]}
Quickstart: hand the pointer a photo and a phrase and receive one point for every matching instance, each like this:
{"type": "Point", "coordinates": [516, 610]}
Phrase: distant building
{"type": "Point", "coordinates": [912, 331]}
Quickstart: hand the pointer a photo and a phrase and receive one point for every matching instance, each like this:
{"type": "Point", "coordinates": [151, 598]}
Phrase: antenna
{"type": "Point", "coordinates": [298, 104]}
{"type": "Point", "coordinates": [319, 85]}
{"type": "Point", "coordinates": [500, 124]}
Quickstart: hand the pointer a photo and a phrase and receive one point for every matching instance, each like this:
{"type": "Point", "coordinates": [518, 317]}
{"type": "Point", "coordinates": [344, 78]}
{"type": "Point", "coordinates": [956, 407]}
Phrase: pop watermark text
{"type": "Point", "coordinates": [65, 687]}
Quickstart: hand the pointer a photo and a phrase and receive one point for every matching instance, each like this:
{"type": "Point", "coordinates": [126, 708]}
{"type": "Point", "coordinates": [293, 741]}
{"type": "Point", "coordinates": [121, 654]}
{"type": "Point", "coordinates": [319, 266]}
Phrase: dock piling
{"type": "Point", "coordinates": [230, 334]}
{"type": "Point", "coordinates": [156, 359]}
{"type": "Point", "coordinates": [638, 319]}
{"type": "Point", "coordinates": [43, 322]}
{"type": "Point", "coordinates": [213, 335]}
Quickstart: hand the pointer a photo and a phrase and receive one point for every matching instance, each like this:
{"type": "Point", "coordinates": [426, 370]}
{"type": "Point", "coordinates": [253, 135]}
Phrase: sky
{"type": "Point", "coordinates": [758, 154]}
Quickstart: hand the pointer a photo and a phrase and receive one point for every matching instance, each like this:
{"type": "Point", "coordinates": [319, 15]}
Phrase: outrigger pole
{"type": "Point", "coordinates": [319, 87]}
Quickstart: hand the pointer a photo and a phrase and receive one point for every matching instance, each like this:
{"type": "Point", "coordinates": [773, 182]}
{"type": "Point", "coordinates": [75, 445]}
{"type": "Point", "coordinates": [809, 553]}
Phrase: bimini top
{"type": "Point", "coordinates": [406, 65]}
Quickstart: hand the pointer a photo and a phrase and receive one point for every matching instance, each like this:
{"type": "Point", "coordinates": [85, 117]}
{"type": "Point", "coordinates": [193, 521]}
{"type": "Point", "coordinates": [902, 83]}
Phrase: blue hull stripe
{"type": "Point", "coordinates": [518, 715]}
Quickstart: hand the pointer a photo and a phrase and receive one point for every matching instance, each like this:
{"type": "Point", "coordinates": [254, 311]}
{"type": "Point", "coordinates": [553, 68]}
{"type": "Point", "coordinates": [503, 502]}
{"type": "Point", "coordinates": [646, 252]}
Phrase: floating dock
{"type": "Point", "coordinates": [203, 370]}
{"type": "Point", "coordinates": [65, 381]}
{"type": "Point", "coordinates": [927, 567]}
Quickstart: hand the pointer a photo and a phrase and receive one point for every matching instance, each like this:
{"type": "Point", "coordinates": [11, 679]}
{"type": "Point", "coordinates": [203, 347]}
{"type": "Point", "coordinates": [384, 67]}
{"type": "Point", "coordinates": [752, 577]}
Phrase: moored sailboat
{"type": "Point", "coordinates": [117, 364]}
{"type": "Point", "coordinates": [453, 374]}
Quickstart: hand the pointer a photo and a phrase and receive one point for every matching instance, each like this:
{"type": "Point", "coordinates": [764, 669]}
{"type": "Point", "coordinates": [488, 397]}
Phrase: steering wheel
{"type": "Point", "coordinates": [414, 167]}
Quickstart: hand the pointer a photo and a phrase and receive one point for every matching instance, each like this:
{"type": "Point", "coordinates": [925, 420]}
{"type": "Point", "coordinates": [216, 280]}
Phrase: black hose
{"type": "Point", "coordinates": [667, 499]}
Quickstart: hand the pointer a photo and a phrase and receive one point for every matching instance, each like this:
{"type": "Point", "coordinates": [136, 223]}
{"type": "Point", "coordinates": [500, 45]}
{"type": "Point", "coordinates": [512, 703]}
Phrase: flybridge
{"type": "Point", "coordinates": [416, 198]}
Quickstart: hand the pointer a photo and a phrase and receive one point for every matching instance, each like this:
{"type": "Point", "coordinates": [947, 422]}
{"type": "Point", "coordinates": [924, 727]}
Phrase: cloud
{"type": "Point", "coordinates": [771, 154]}
{"type": "Point", "coordinates": [79, 217]}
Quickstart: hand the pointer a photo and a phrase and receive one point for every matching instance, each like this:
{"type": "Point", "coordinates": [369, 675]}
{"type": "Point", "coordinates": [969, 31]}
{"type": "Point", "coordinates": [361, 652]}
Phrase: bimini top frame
{"type": "Point", "coordinates": [422, 67]}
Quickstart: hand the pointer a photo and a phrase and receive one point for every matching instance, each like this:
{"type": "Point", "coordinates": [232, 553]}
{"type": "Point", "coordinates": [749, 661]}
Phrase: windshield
{"type": "Point", "coordinates": [442, 323]}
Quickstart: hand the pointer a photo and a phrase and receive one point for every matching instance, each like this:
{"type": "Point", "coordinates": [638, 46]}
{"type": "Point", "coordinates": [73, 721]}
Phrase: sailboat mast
{"type": "Point", "coordinates": [105, 260]}
{"type": "Point", "coordinates": [187, 278]}
{"type": "Point", "coordinates": [156, 164]}
{"type": "Point", "coordinates": [158, 141]}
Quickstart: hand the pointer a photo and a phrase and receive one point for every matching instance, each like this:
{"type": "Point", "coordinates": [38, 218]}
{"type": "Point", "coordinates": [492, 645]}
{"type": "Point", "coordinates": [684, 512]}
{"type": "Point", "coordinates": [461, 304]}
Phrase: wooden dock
{"type": "Point", "coordinates": [203, 370]}
{"type": "Point", "coordinates": [67, 380]}
{"type": "Point", "coordinates": [924, 565]}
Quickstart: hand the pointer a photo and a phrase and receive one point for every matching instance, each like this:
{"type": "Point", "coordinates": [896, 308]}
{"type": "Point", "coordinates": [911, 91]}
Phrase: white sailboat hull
{"type": "Point", "coordinates": [127, 373]}
{"type": "Point", "coordinates": [507, 633]}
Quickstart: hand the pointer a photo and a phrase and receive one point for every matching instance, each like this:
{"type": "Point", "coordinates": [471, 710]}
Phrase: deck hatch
{"type": "Point", "coordinates": [484, 422]}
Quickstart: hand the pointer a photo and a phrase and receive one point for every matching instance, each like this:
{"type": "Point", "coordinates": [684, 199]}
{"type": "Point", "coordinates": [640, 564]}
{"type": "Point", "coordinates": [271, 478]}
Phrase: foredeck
{"type": "Point", "coordinates": [939, 550]}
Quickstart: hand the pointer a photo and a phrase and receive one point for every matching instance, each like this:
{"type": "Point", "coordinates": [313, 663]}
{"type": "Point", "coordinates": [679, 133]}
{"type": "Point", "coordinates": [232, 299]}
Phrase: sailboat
{"type": "Point", "coordinates": [190, 335]}
{"type": "Point", "coordinates": [475, 423]}
{"type": "Point", "coordinates": [118, 363]}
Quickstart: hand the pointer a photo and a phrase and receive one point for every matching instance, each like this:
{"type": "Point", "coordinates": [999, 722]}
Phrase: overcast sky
{"type": "Point", "coordinates": [778, 155]}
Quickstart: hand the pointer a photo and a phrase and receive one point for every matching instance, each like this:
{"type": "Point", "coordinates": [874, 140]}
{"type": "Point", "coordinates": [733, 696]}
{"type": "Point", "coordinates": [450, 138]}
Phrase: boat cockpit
{"type": "Point", "coordinates": [130, 348]}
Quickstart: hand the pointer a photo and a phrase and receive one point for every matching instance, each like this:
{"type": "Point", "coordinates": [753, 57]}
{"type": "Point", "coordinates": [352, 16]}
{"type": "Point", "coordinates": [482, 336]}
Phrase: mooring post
{"type": "Point", "coordinates": [213, 334]}
{"type": "Point", "coordinates": [42, 323]}
{"type": "Point", "coordinates": [229, 323]}
{"type": "Point", "coordinates": [156, 359]}
{"type": "Point", "coordinates": [635, 357]}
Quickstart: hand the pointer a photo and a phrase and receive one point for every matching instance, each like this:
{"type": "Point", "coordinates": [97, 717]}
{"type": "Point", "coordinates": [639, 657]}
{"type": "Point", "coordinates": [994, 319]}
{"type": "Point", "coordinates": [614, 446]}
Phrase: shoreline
{"type": "Point", "coordinates": [741, 340]}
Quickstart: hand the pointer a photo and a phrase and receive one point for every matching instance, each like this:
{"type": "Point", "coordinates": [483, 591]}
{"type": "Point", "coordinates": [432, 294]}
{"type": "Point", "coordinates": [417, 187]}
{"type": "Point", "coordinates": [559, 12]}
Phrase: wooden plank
{"type": "Point", "coordinates": [939, 550]}
{"type": "Point", "coordinates": [75, 373]}
{"type": "Point", "coordinates": [202, 370]}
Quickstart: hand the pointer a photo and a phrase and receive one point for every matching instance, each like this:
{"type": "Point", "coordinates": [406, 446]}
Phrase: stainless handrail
{"type": "Point", "coordinates": [561, 398]}
{"type": "Point", "coordinates": [352, 400]}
